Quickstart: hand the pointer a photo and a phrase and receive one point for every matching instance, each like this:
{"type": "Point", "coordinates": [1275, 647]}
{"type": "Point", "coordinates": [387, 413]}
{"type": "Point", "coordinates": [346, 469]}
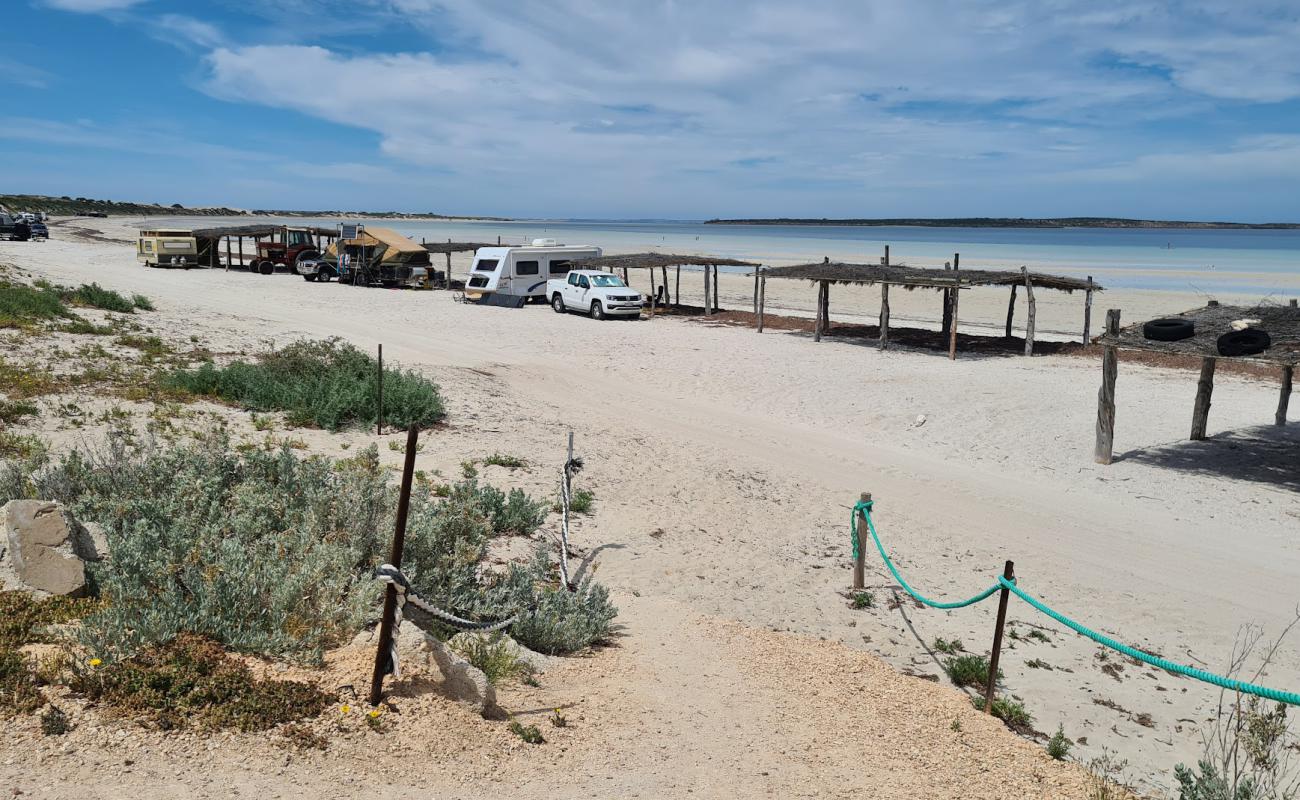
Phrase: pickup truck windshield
{"type": "Point", "coordinates": [607, 280]}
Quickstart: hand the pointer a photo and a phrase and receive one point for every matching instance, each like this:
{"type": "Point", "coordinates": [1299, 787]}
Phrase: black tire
{"type": "Point", "coordinates": [557, 303]}
{"type": "Point", "coordinates": [266, 268]}
{"type": "Point", "coordinates": [1244, 343]}
{"type": "Point", "coordinates": [1171, 329]}
{"type": "Point", "coordinates": [311, 276]}
{"type": "Point", "coordinates": [597, 310]}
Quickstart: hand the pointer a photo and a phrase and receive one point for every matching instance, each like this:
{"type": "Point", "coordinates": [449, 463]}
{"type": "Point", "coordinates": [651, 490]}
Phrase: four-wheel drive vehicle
{"type": "Point", "coordinates": [286, 247]}
{"type": "Point", "coordinates": [15, 229]}
{"type": "Point", "coordinates": [378, 255]}
{"type": "Point", "coordinates": [170, 247]}
{"type": "Point", "coordinates": [599, 294]}
{"type": "Point", "coordinates": [39, 230]}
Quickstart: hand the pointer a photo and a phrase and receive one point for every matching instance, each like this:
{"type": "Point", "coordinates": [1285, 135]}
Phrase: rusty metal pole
{"type": "Point", "coordinates": [394, 558]}
{"type": "Point", "coordinates": [379, 411]}
{"type": "Point", "coordinates": [860, 563]}
{"type": "Point", "coordinates": [1008, 573]}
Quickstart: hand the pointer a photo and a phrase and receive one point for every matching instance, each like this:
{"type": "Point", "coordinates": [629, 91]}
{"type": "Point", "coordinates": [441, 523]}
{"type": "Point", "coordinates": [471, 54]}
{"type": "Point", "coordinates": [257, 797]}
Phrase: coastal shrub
{"type": "Point", "coordinates": [505, 460]}
{"type": "Point", "coordinates": [1058, 747]}
{"type": "Point", "coordinates": [558, 621]}
{"type": "Point", "coordinates": [510, 513]}
{"type": "Point", "coordinates": [54, 722]}
{"type": "Point", "coordinates": [494, 655]}
{"type": "Point", "coordinates": [1012, 712]}
{"type": "Point", "coordinates": [21, 305]}
{"type": "Point", "coordinates": [13, 410]}
{"type": "Point", "coordinates": [327, 383]}
{"type": "Point", "coordinates": [19, 693]}
{"type": "Point", "coordinates": [529, 733]}
{"type": "Point", "coordinates": [141, 302]}
{"type": "Point", "coordinates": [190, 681]}
{"type": "Point", "coordinates": [92, 295]}
{"type": "Point", "coordinates": [25, 619]}
{"type": "Point", "coordinates": [948, 647]}
{"type": "Point", "coordinates": [968, 670]}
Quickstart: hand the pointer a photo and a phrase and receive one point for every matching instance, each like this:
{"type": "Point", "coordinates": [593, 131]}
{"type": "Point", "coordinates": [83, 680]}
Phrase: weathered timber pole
{"type": "Point", "coordinates": [1029, 325]}
{"type": "Point", "coordinates": [1106, 394]}
{"type": "Point", "coordinates": [817, 324]}
{"type": "Point", "coordinates": [947, 305]}
{"type": "Point", "coordinates": [379, 405]}
{"type": "Point", "coordinates": [756, 292]}
{"type": "Point", "coordinates": [382, 655]}
{"type": "Point", "coordinates": [1284, 399]}
{"type": "Point", "coordinates": [227, 254]}
{"type": "Point", "coordinates": [1011, 308]}
{"type": "Point", "coordinates": [762, 297]}
{"type": "Point", "coordinates": [677, 290]}
{"type": "Point", "coordinates": [1204, 389]}
{"type": "Point", "coordinates": [884, 315]}
{"type": "Point", "coordinates": [826, 308]}
{"type": "Point", "coordinates": [989, 690]}
{"type": "Point", "coordinates": [663, 272]}
{"type": "Point", "coordinates": [241, 251]}
{"type": "Point", "coordinates": [952, 330]}
{"type": "Point", "coordinates": [1087, 312]}
{"type": "Point", "coordinates": [716, 306]}
{"type": "Point", "coordinates": [860, 563]}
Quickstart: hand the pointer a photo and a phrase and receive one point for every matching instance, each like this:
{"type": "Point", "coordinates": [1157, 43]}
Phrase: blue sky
{"type": "Point", "coordinates": [612, 109]}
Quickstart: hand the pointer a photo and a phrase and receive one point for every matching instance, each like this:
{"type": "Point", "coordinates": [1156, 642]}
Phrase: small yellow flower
{"type": "Point", "coordinates": [373, 714]}
{"type": "Point", "coordinates": [346, 709]}
{"type": "Point", "coordinates": [95, 662]}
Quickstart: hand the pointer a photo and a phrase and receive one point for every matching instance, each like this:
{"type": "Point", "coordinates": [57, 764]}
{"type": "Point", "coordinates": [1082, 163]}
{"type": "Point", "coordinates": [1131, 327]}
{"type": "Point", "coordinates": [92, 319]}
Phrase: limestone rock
{"type": "Point", "coordinates": [46, 548]}
{"type": "Point", "coordinates": [536, 661]}
{"type": "Point", "coordinates": [418, 651]}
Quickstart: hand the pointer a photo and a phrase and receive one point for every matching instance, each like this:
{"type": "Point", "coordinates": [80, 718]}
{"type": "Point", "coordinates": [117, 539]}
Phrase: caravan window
{"type": "Point", "coordinates": [526, 268]}
{"type": "Point", "coordinates": [561, 266]}
{"type": "Point", "coordinates": [486, 265]}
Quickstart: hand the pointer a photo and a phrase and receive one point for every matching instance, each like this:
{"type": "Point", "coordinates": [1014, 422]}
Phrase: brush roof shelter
{"type": "Point", "coordinates": [1280, 322]}
{"type": "Point", "coordinates": [661, 262]}
{"type": "Point", "coordinates": [951, 280]}
{"type": "Point", "coordinates": [208, 239]}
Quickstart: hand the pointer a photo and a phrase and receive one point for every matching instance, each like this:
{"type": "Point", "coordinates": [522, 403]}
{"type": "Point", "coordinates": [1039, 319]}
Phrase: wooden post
{"type": "Point", "coordinates": [677, 288]}
{"type": "Point", "coordinates": [716, 306]}
{"type": "Point", "coordinates": [379, 382]}
{"type": "Point", "coordinates": [1284, 399]}
{"type": "Point", "coordinates": [817, 324]}
{"type": "Point", "coordinates": [227, 254]}
{"type": "Point", "coordinates": [241, 251]}
{"type": "Point", "coordinates": [860, 563]}
{"type": "Point", "coordinates": [1293, 302]}
{"type": "Point", "coordinates": [1087, 312]}
{"type": "Point", "coordinates": [886, 262]}
{"type": "Point", "coordinates": [755, 292]}
{"type": "Point", "coordinates": [1009, 572]}
{"type": "Point", "coordinates": [1011, 308]}
{"type": "Point", "coordinates": [707, 303]}
{"type": "Point", "coordinates": [884, 315]}
{"type": "Point", "coordinates": [826, 307]}
{"type": "Point", "coordinates": [946, 325]}
{"type": "Point", "coordinates": [448, 286]}
{"type": "Point", "coordinates": [663, 272]}
{"type": "Point", "coordinates": [498, 240]}
{"type": "Point", "coordinates": [394, 558]}
{"type": "Point", "coordinates": [654, 290]}
{"type": "Point", "coordinates": [1029, 326]}
{"type": "Point", "coordinates": [1204, 388]}
{"type": "Point", "coordinates": [952, 327]}
{"type": "Point", "coordinates": [1106, 394]}
{"type": "Point", "coordinates": [762, 297]}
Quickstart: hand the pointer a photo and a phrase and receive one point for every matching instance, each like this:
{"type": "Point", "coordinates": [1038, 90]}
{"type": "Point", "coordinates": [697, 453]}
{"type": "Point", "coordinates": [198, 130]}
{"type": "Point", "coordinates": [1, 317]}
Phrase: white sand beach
{"type": "Point", "coordinates": [724, 464]}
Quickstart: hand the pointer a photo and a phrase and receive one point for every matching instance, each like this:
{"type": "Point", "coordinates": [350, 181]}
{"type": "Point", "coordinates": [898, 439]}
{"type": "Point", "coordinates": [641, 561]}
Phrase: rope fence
{"type": "Point", "coordinates": [1007, 584]}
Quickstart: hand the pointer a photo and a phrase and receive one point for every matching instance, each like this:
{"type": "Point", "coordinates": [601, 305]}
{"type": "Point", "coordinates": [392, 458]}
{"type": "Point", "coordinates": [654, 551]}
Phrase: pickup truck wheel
{"type": "Point", "coordinates": [557, 303]}
{"type": "Point", "coordinates": [597, 310]}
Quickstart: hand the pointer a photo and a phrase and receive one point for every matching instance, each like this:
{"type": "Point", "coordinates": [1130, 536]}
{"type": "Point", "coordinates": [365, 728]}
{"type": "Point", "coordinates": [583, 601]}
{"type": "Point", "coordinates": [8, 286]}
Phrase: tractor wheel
{"type": "Point", "coordinates": [266, 268]}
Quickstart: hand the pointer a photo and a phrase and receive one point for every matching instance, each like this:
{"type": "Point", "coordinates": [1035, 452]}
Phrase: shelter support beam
{"type": "Point", "coordinates": [677, 290]}
{"type": "Point", "coordinates": [762, 298]}
{"type": "Point", "coordinates": [817, 325]}
{"type": "Point", "coordinates": [884, 315]}
{"type": "Point", "coordinates": [1204, 389]}
{"type": "Point", "coordinates": [1029, 326]}
{"type": "Point", "coordinates": [663, 273]}
{"type": "Point", "coordinates": [1087, 312]}
{"type": "Point", "coordinates": [952, 330]}
{"type": "Point", "coordinates": [1011, 309]}
{"type": "Point", "coordinates": [716, 307]}
{"type": "Point", "coordinates": [708, 304]}
{"type": "Point", "coordinates": [1106, 394]}
{"type": "Point", "coordinates": [1284, 398]}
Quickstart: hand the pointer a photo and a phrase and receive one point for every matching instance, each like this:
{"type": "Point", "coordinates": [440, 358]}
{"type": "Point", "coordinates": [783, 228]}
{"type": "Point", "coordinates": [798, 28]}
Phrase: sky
{"type": "Point", "coordinates": [621, 109]}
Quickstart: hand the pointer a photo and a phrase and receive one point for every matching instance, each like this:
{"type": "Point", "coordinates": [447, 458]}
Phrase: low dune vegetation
{"type": "Point", "coordinates": [326, 384]}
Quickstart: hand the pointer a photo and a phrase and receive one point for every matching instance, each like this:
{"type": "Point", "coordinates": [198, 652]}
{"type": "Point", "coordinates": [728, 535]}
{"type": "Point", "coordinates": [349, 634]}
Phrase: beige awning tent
{"type": "Point", "coordinates": [393, 242]}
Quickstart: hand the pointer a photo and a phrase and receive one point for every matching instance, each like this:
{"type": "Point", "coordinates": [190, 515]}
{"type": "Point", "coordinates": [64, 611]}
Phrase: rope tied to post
{"type": "Point", "coordinates": [387, 573]}
{"type": "Point", "coordinates": [1276, 695]}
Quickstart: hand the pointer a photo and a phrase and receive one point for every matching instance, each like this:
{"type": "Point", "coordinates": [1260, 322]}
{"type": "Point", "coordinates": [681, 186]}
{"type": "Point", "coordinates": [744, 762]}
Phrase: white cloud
{"type": "Point", "coordinates": [91, 6]}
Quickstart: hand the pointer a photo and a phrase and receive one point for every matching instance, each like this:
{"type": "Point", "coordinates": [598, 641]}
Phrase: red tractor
{"type": "Point", "coordinates": [285, 248]}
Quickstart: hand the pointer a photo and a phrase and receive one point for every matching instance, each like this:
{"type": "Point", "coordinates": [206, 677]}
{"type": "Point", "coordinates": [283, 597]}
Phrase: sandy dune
{"type": "Point", "coordinates": [725, 463]}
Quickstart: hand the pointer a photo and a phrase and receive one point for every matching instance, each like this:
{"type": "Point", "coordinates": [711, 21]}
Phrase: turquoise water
{"type": "Point", "coordinates": [1250, 262]}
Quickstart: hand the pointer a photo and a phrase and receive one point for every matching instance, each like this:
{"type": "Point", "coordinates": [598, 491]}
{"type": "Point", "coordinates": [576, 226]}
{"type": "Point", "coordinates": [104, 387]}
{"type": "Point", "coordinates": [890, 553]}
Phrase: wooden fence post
{"type": "Point", "coordinates": [884, 315]}
{"type": "Point", "coordinates": [762, 297]}
{"type": "Point", "coordinates": [394, 558]}
{"type": "Point", "coordinates": [1009, 572]}
{"type": "Point", "coordinates": [860, 563]}
{"type": "Point", "coordinates": [716, 300]}
{"type": "Point", "coordinates": [1011, 308]}
{"type": "Point", "coordinates": [1285, 399]}
{"type": "Point", "coordinates": [1106, 394]}
{"type": "Point", "coordinates": [379, 383]}
{"type": "Point", "coordinates": [755, 292]}
{"type": "Point", "coordinates": [817, 324]}
{"type": "Point", "coordinates": [1029, 326]}
{"type": "Point", "coordinates": [707, 303]}
{"type": "Point", "coordinates": [1204, 389]}
{"type": "Point", "coordinates": [1087, 312]}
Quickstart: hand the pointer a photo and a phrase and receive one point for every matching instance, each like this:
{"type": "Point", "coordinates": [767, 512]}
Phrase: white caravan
{"type": "Point", "coordinates": [510, 275]}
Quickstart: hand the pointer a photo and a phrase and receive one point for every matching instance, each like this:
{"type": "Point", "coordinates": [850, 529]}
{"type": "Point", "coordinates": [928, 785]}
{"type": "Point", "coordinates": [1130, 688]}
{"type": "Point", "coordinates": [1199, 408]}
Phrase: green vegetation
{"type": "Point", "coordinates": [1058, 747]}
{"type": "Point", "coordinates": [863, 600]}
{"type": "Point", "coordinates": [24, 619]}
{"type": "Point", "coordinates": [950, 648]}
{"type": "Point", "coordinates": [54, 722]}
{"type": "Point", "coordinates": [95, 296]}
{"type": "Point", "coordinates": [21, 445]}
{"type": "Point", "coordinates": [582, 501]}
{"type": "Point", "coordinates": [76, 206]}
{"type": "Point", "coordinates": [143, 303]}
{"type": "Point", "coordinates": [494, 655]}
{"type": "Point", "coordinates": [13, 410]}
{"type": "Point", "coordinates": [503, 460]}
{"type": "Point", "coordinates": [968, 670]}
{"type": "Point", "coordinates": [329, 384]}
{"type": "Point", "coordinates": [19, 693]}
{"type": "Point", "coordinates": [1012, 712]}
{"type": "Point", "coordinates": [21, 305]}
{"type": "Point", "coordinates": [529, 733]}
{"type": "Point", "coordinates": [191, 682]}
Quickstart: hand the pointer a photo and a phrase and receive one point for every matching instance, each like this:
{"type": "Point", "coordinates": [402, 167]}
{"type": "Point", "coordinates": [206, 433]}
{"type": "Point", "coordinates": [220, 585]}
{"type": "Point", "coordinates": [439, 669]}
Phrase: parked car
{"type": "Point", "coordinates": [39, 230]}
{"type": "Point", "coordinates": [599, 294]}
{"type": "Point", "coordinates": [15, 229]}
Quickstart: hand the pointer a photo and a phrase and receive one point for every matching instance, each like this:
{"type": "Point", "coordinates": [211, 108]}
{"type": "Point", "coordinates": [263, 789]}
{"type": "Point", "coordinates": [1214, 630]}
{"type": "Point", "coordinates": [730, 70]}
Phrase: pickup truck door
{"type": "Point", "coordinates": [577, 293]}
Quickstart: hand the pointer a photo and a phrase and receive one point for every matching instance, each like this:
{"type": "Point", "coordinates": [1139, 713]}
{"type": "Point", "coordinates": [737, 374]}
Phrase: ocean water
{"type": "Point", "coordinates": [1263, 263]}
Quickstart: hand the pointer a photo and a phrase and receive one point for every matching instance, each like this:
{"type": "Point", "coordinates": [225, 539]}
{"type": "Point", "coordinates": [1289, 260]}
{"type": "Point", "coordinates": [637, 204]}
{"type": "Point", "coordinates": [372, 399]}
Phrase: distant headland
{"type": "Point", "coordinates": [1012, 222]}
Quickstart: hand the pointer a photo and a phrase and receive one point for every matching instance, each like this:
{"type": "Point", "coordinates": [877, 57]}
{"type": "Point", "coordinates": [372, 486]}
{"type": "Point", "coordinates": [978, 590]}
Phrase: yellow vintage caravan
{"type": "Point", "coordinates": [167, 247]}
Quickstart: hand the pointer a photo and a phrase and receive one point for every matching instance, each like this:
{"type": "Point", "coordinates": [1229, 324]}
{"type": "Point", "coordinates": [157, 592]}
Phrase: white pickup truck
{"type": "Point", "coordinates": [600, 294]}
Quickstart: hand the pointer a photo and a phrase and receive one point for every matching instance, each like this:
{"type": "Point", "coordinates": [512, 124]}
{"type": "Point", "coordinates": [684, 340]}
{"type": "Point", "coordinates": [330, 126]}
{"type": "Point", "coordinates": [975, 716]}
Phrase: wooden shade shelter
{"type": "Point", "coordinates": [209, 238]}
{"type": "Point", "coordinates": [1282, 323]}
{"type": "Point", "coordinates": [951, 280]}
{"type": "Point", "coordinates": [661, 262]}
{"type": "Point", "coordinates": [449, 247]}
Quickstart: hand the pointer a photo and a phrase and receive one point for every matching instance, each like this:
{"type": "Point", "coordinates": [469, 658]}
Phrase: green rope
{"type": "Point", "coordinates": [865, 508]}
{"type": "Point", "coordinates": [1276, 695]}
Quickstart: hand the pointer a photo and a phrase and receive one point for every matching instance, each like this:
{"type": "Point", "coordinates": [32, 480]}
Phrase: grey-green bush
{"type": "Point", "coordinates": [329, 384]}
